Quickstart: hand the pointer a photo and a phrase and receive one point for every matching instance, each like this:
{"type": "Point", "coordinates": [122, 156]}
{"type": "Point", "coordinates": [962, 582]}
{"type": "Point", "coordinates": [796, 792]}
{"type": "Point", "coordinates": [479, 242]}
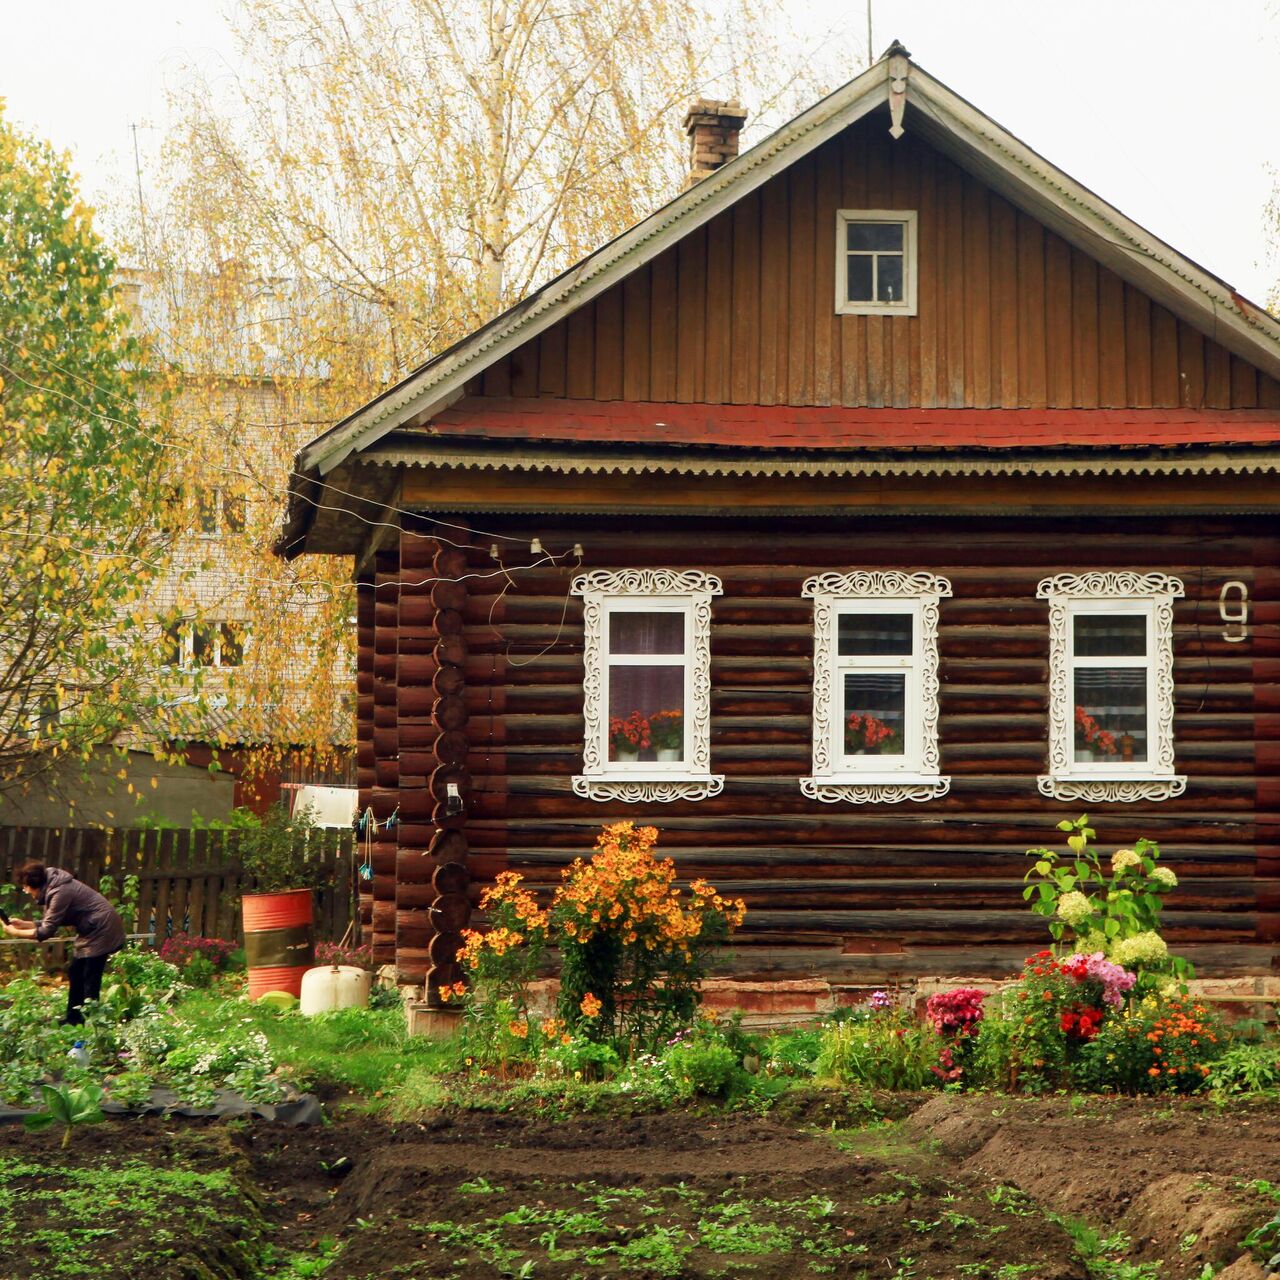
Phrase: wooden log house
{"type": "Point", "coordinates": [901, 495]}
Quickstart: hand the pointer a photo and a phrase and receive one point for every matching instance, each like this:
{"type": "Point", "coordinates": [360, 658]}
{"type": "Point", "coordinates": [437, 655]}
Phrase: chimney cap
{"type": "Point", "coordinates": [729, 114]}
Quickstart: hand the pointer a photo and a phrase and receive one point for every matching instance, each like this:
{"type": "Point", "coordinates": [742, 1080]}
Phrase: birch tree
{"type": "Point", "coordinates": [373, 181]}
{"type": "Point", "coordinates": [84, 504]}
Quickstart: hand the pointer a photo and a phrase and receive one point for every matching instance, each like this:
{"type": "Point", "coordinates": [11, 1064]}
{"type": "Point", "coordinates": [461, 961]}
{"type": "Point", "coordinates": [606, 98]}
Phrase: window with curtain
{"type": "Point", "coordinates": [875, 688]}
{"type": "Point", "coordinates": [1111, 686]}
{"type": "Point", "coordinates": [647, 686]}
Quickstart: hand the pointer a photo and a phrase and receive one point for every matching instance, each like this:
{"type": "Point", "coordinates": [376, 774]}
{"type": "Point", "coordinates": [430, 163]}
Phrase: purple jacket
{"type": "Point", "coordinates": [99, 931]}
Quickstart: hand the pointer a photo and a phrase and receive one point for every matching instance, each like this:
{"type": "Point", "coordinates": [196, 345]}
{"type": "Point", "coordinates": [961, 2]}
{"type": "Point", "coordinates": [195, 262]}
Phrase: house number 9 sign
{"type": "Point", "coordinates": [1233, 608]}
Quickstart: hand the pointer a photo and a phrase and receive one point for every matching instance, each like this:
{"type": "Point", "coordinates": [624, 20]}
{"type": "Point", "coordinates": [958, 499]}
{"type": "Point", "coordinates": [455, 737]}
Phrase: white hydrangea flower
{"type": "Point", "coordinates": [1074, 907]}
{"type": "Point", "coordinates": [1165, 878]}
{"type": "Point", "coordinates": [1142, 948]}
{"type": "Point", "coordinates": [1124, 859]}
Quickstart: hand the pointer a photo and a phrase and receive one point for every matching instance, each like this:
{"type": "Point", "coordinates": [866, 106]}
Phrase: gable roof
{"type": "Point", "coordinates": [945, 120]}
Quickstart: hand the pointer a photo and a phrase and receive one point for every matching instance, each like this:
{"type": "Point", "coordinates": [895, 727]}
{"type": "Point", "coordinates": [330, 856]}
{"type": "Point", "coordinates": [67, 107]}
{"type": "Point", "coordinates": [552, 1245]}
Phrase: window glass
{"type": "Point", "coordinates": [233, 511]}
{"type": "Point", "coordinates": [888, 279]}
{"type": "Point", "coordinates": [874, 715]}
{"type": "Point", "coordinates": [874, 633]}
{"type": "Point", "coordinates": [656, 632]}
{"type": "Point", "coordinates": [1110, 635]}
{"type": "Point", "coordinates": [1110, 714]}
{"type": "Point", "coordinates": [875, 235]}
{"type": "Point", "coordinates": [861, 276]}
{"type": "Point", "coordinates": [646, 711]}
{"type": "Point", "coordinates": [231, 645]}
{"type": "Point", "coordinates": [204, 640]}
{"type": "Point", "coordinates": [171, 646]}
{"type": "Point", "coordinates": [207, 510]}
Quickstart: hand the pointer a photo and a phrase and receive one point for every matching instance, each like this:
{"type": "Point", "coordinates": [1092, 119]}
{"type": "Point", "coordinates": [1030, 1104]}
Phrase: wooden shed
{"type": "Point", "coordinates": [884, 498]}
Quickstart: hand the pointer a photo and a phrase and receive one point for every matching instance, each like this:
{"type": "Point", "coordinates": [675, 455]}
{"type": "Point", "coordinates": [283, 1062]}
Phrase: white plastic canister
{"type": "Point", "coordinates": [331, 987]}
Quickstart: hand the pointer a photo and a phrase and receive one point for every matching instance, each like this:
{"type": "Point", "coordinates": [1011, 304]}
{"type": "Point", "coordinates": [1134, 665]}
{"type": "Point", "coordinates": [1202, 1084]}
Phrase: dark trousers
{"type": "Point", "coordinates": [85, 977]}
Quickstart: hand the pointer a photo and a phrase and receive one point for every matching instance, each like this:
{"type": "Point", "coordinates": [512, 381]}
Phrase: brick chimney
{"type": "Point", "coordinates": [713, 129]}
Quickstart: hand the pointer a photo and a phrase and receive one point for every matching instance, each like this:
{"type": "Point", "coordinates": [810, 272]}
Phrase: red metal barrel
{"type": "Point", "coordinates": [278, 941]}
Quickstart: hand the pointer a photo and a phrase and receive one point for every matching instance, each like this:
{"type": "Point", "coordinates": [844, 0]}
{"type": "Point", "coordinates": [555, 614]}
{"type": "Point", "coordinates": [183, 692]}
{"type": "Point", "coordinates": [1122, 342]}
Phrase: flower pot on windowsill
{"type": "Point", "coordinates": [667, 755]}
{"type": "Point", "coordinates": [626, 755]}
{"type": "Point", "coordinates": [1084, 755]}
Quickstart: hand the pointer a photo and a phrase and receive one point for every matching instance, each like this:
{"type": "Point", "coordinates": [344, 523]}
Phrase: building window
{"type": "Point", "coordinates": [217, 512]}
{"type": "Point", "coordinates": [875, 262]}
{"type": "Point", "coordinates": [647, 685]}
{"type": "Point", "coordinates": [875, 687]}
{"type": "Point", "coordinates": [1111, 686]}
{"type": "Point", "coordinates": [190, 644]}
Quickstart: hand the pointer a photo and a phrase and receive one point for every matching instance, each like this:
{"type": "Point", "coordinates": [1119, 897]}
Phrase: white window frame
{"type": "Point", "coordinates": [688, 592]}
{"type": "Point", "coordinates": [1150, 595]}
{"type": "Point", "coordinates": [910, 275]}
{"type": "Point", "coordinates": [866, 780]}
{"type": "Point", "coordinates": [186, 638]}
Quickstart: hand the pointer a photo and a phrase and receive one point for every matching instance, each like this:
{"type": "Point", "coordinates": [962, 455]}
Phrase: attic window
{"type": "Point", "coordinates": [875, 262]}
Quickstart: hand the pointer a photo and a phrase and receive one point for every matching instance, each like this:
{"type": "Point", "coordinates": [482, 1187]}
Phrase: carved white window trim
{"type": "Point", "coordinates": [1153, 779]}
{"type": "Point", "coordinates": [832, 781]}
{"type": "Point", "coordinates": [691, 591]}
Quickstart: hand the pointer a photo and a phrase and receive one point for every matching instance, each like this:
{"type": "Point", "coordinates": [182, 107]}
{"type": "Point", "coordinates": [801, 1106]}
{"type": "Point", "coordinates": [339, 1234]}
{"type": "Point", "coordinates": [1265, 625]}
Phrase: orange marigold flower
{"type": "Point", "coordinates": [1153, 1071]}
{"type": "Point", "coordinates": [590, 1006]}
{"type": "Point", "coordinates": [520, 1030]}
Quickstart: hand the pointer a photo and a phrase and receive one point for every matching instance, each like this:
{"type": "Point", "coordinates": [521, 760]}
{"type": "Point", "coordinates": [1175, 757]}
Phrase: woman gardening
{"type": "Point", "coordinates": [66, 901]}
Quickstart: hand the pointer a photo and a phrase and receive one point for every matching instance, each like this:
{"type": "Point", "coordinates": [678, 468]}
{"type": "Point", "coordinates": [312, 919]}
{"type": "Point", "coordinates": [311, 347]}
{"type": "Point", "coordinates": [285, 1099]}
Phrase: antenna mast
{"type": "Point", "coordinates": [142, 208]}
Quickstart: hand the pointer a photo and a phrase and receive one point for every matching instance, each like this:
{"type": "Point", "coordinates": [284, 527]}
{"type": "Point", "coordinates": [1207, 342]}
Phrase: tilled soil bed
{"type": "Point", "coordinates": [963, 1186]}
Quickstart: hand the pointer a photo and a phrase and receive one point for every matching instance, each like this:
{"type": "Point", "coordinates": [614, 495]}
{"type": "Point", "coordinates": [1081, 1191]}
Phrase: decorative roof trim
{"type": "Point", "coordinates": [599, 462]}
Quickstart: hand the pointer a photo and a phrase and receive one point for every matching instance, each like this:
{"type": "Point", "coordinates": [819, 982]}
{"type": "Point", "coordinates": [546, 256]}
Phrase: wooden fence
{"type": "Point", "coordinates": [188, 881]}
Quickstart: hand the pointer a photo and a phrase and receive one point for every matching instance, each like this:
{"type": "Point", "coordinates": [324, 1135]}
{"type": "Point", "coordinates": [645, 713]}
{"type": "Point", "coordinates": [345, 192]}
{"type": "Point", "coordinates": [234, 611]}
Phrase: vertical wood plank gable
{"type": "Point", "coordinates": [1084, 331]}
{"type": "Point", "coordinates": [801, 283]}
{"type": "Point", "coordinates": [774, 257]}
{"type": "Point", "coordinates": [745, 350]}
{"type": "Point", "coordinates": [977, 289]}
{"type": "Point", "coordinates": [1031, 313]}
{"type": "Point", "coordinates": [853, 329]}
{"type": "Point", "coordinates": [691, 283]}
{"type": "Point", "coordinates": [1059, 389]}
{"type": "Point", "coordinates": [826, 369]}
{"type": "Point", "coordinates": [662, 328]}
{"type": "Point", "coordinates": [743, 309]}
{"type": "Point", "coordinates": [1005, 336]}
{"type": "Point", "coordinates": [636, 292]}
{"type": "Point", "coordinates": [951, 197]}
{"type": "Point", "coordinates": [719, 309]}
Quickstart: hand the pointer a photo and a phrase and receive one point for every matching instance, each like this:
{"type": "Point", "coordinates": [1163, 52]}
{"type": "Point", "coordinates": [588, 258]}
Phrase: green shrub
{"type": "Point", "coordinates": [708, 1067]}
{"type": "Point", "coordinates": [794, 1053]}
{"type": "Point", "coordinates": [582, 1059]}
{"type": "Point", "coordinates": [891, 1049]}
{"type": "Point", "coordinates": [1247, 1068]}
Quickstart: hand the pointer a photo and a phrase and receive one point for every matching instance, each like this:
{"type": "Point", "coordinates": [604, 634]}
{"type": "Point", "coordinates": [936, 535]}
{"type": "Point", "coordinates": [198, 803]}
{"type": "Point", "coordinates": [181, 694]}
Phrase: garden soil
{"type": "Point", "coordinates": [953, 1186]}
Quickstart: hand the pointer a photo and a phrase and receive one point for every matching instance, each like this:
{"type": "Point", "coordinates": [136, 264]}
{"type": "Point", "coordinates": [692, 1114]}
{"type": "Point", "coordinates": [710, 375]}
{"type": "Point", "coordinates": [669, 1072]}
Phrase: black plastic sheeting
{"type": "Point", "coordinates": [164, 1102]}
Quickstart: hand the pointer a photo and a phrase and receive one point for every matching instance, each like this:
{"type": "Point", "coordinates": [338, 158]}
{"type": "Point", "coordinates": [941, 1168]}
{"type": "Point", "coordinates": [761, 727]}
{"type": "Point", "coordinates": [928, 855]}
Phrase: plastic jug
{"type": "Point", "coordinates": [338, 986]}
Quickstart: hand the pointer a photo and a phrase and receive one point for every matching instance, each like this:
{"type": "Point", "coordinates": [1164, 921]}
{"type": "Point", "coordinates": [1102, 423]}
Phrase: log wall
{"type": "Point", "coordinates": [742, 310]}
{"type": "Point", "coordinates": [870, 892]}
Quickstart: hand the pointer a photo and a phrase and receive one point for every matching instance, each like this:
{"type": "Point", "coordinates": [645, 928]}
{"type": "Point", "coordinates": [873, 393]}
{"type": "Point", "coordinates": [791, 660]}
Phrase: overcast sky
{"type": "Point", "coordinates": [1168, 110]}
